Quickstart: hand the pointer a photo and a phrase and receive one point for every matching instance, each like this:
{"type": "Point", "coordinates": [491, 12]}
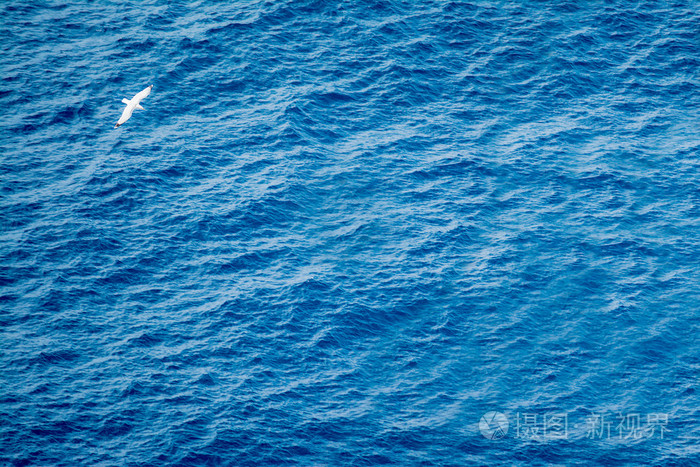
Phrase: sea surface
{"type": "Point", "coordinates": [350, 233]}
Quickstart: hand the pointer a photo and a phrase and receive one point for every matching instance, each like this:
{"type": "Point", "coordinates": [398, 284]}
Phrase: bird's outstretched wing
{"type": "Point", "coordinates": [143, 94]}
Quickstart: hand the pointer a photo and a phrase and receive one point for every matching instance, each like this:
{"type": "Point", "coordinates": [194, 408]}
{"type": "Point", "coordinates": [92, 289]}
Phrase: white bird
{"type": "Point", "coordinates": [132, 104]}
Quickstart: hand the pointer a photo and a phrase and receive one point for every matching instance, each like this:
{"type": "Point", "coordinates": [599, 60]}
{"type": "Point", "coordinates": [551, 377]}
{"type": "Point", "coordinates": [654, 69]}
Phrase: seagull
{"type": "Point", "coordinates": [132, 104]}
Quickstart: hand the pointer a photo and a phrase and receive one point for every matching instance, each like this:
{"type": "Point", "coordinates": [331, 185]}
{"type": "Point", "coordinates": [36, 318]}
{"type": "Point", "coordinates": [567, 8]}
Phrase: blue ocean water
{"type": "Point", "coordinates": [350, 233]}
